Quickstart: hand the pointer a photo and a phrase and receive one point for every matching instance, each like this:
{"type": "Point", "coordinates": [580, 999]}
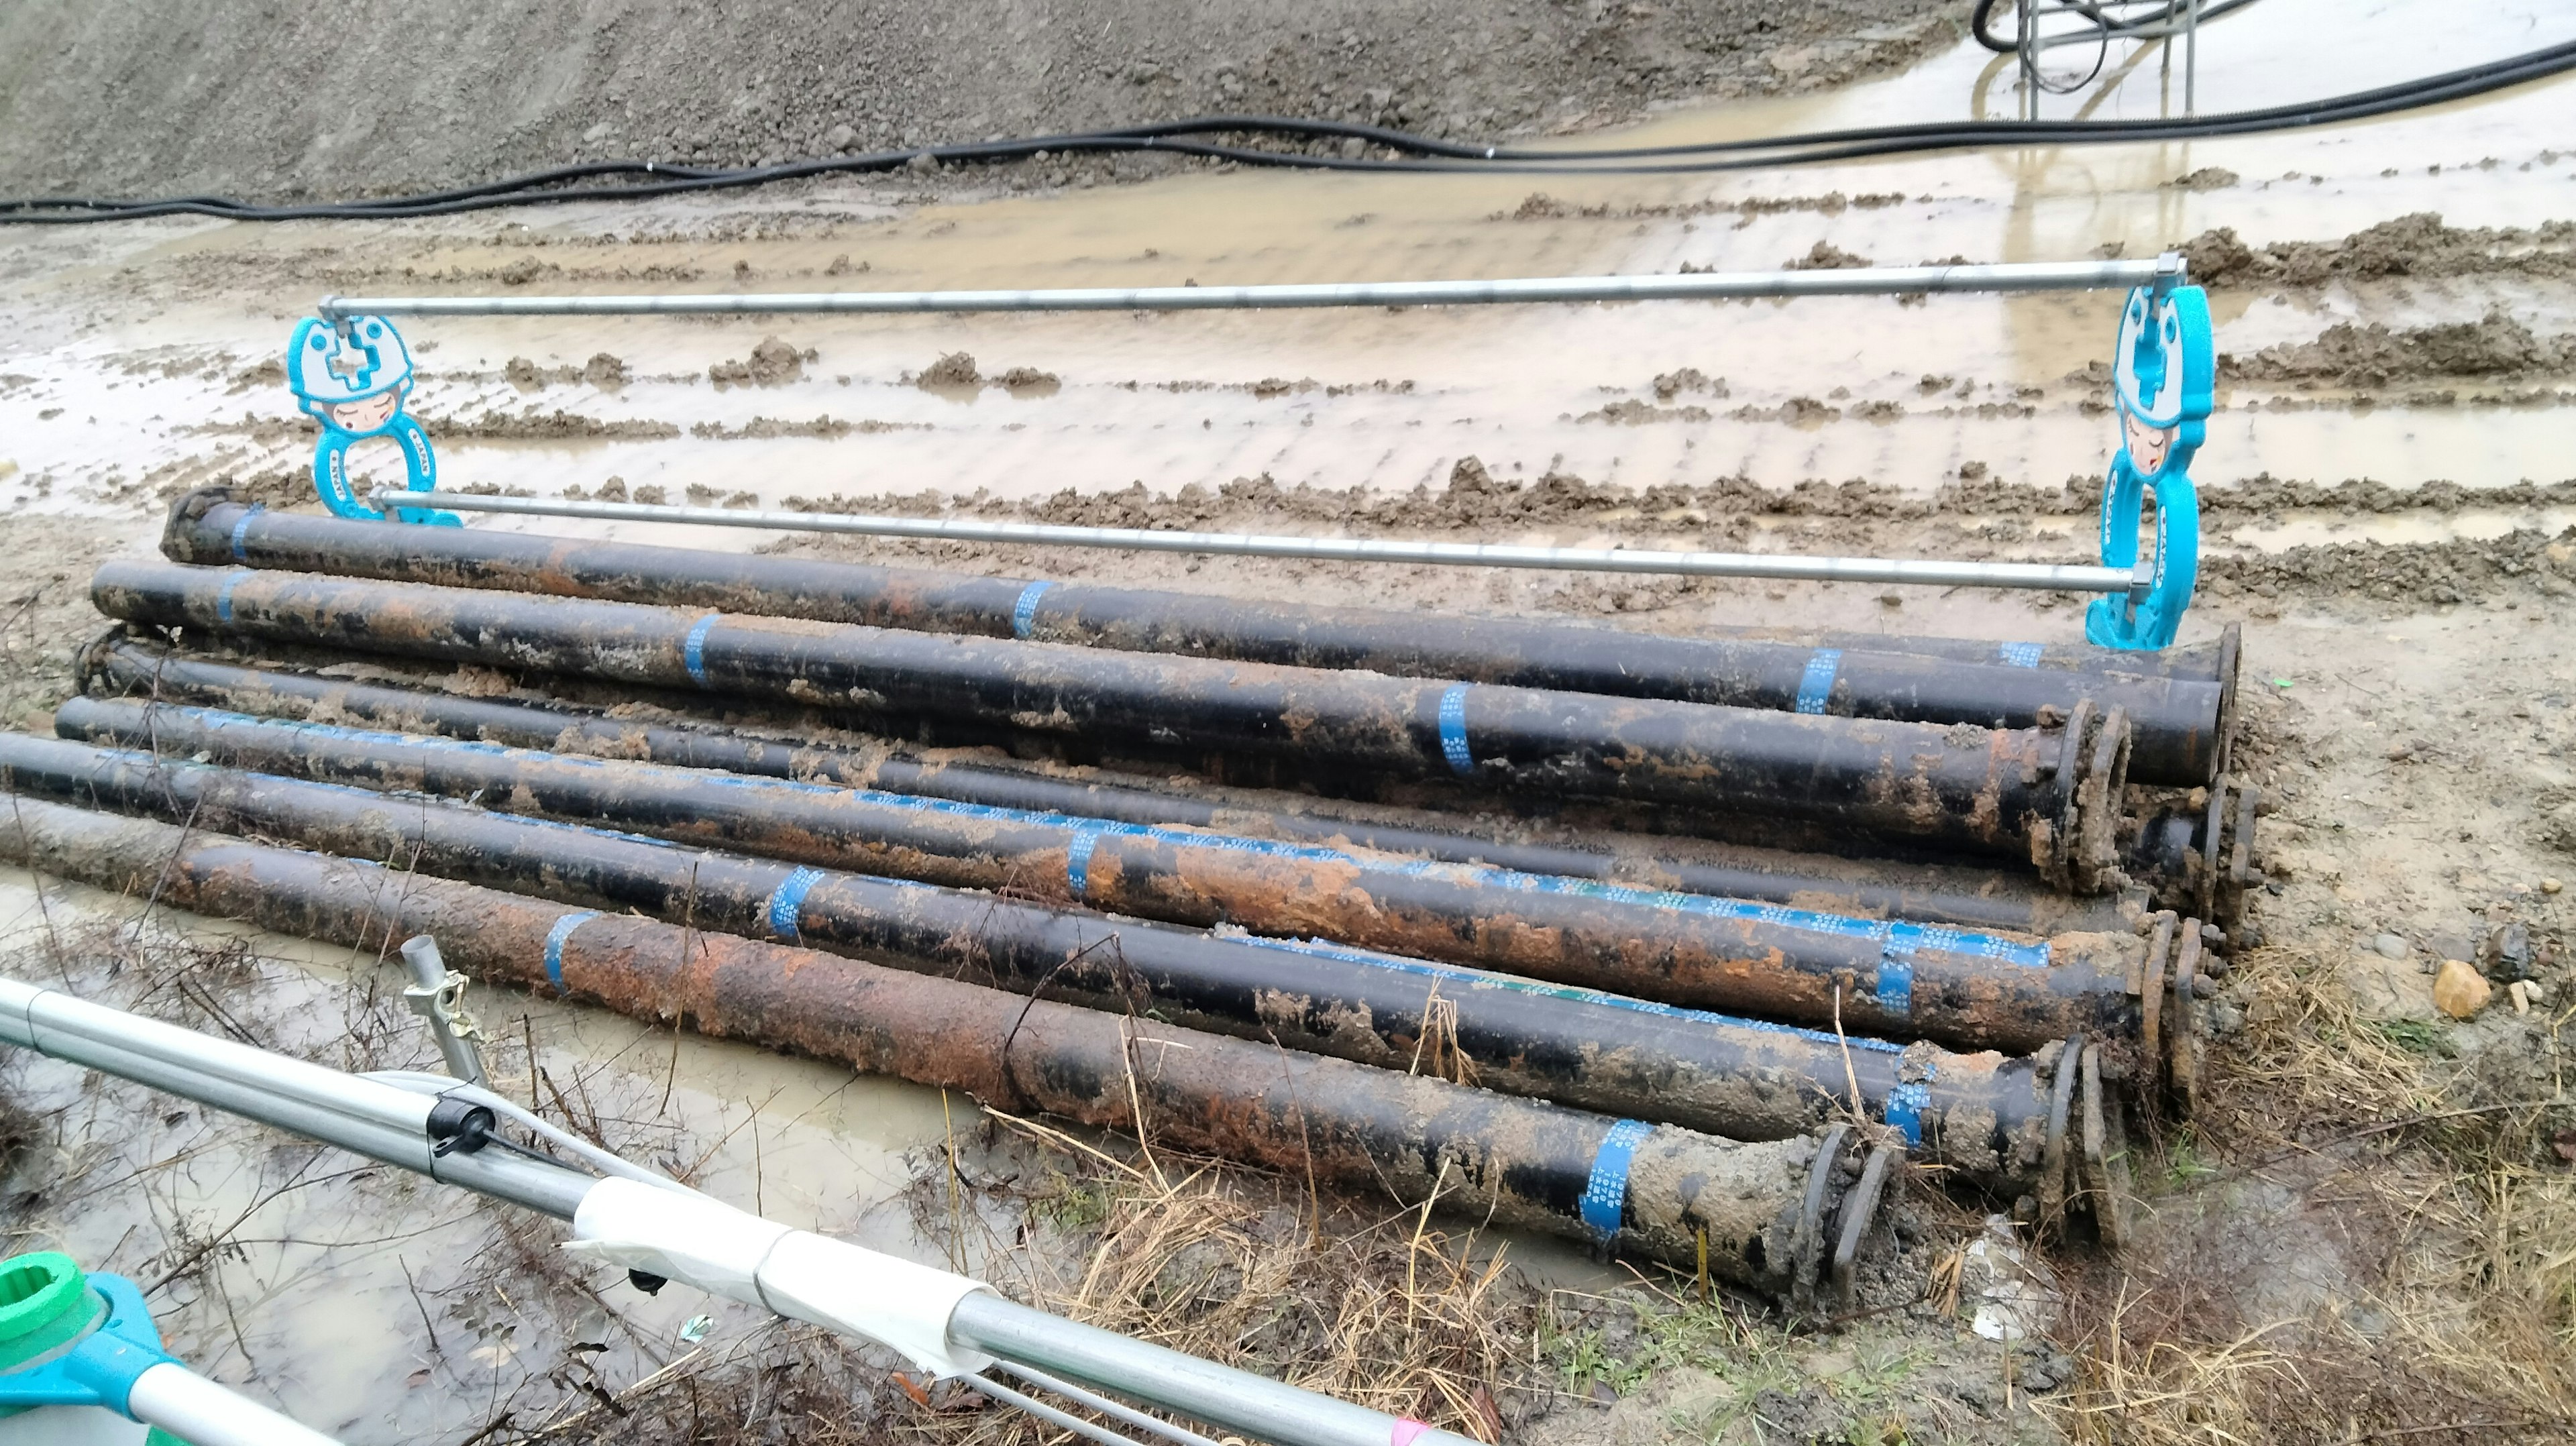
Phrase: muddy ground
{"type": "Point", "coordinates": [2360, 1238]}
{"type": "Point", "coordinates": [184, 97]}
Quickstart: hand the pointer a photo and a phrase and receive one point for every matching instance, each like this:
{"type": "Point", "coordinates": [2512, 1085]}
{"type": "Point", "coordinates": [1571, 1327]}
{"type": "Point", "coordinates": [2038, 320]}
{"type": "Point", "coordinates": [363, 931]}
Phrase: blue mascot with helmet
{"type": "Point", "coordinates": [352, 375]}
{"type": "Point", "coordinates": [2164, 374]}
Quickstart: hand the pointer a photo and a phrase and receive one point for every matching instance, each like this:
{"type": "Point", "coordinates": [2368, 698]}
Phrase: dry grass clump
{"type": "Point", "coordinates": [2360, 1239]}
{"type": "Point", "coordinates": [1257, 1272]}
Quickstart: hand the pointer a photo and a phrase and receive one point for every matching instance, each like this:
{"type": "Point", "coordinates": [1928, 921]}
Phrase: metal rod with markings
{"type": "Point", "coordinates": [2049, 576]}
{"type": "Point", "coordinates": [1696, 286]}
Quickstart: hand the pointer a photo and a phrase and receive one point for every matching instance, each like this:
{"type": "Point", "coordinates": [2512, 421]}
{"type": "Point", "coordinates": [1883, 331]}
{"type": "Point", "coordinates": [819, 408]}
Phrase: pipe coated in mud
{"type": "Point", "coordinates": [1759, 1208]}
{"type": "Point", "coordinates": [2049, 796]}
{"type": "Point", "coordinates": [1891, 978]}
{"type": "Point", "coordinates": [1924, 893]}
{"type": "Point", "coordinates": [1694, 286]}
{"type": "Point", "coordinates": [1748, 1079]}
{"type": "Point", "coordinates": [1923, 572]}
{"type": "Point", "coordinates": [2176, 723]}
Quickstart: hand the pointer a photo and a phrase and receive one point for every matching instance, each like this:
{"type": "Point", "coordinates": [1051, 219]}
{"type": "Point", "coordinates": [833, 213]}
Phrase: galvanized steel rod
{"type": "Point", "coordinates": [364, 1116]}
{"type": "Point", "coordinates": [1699, 286]}
{"type": "Point", "coordinates": [1218, 1395]}
{"type": "Point", "coordinates": [347, 1111]}
{"type": "Point", "coordinates": [1928, 573]}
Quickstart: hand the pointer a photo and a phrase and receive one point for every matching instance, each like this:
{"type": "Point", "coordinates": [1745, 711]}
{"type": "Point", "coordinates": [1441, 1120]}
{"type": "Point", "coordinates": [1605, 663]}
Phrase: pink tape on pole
{"type": "Point", "coordinates": [1406, 1432]}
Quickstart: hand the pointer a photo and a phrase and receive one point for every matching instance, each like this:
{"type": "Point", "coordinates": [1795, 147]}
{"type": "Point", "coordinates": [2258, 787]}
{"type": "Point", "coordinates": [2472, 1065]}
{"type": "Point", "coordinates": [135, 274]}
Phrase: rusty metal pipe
{"type": "Point", "coordinates": [1981, 1114]}
{"type": "Point", "coordinates": [2174, 721]}
{"type": "Point", "coordinates": [1902, 980]}
{"type": "Point", "coordinates": [1517, 1162]}
{"type": "Point", "coordinates": [1924, 893]}
{"type": "Point", "coordinates": [2049, 796]}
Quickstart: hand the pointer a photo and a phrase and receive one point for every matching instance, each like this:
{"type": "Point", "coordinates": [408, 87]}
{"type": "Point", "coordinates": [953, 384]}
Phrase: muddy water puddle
{"type": "Point", "coordinates": [1827, 388]}
{"type": "Point", "coordinates": [381, 1307]}
{"type": "Point", "coordinates": [323, 1256]}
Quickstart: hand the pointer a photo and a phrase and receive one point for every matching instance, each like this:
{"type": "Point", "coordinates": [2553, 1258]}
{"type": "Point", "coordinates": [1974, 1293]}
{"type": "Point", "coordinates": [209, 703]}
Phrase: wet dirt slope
{"type": "Point", "coordinates": [179, 96]}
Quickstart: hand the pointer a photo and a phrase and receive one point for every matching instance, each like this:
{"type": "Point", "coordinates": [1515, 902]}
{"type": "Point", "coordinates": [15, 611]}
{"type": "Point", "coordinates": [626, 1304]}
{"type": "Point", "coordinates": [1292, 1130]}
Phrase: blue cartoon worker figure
{"type": "Point", "coordinates": [2164, 372]}
{"type": "Point", "coordinates": [352, 378]}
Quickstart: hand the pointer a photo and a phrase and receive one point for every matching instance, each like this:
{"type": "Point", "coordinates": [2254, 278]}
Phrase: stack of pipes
{"type": "Point", "coordinates": [1761, 919]}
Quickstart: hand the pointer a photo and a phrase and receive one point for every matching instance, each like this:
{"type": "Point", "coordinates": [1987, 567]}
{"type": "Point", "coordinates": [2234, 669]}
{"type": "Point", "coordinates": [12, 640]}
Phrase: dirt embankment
{"type": "Point", "coordinates": [1970, 517]}
{"type": "Point", "coordinates": [2373, 355]}
{"type": "Point", "coordinates": [2417, 245]}
{"type": "Point", "coordinates": [187, 95]}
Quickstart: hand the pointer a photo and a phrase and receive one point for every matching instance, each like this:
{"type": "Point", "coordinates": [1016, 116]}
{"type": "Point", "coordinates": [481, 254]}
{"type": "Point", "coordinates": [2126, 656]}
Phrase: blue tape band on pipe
{"type": "Point", "coordinates": [1453, 729]}
{"type": "Point", "coordinates": [1077, 861]}
{"type": "Point", "coordinates": [1024, 613]}
{"type": "Point", "coordinates": [241, 532]}
{"type": "Point", "coordinates": [1479, 979]}
{"type": "Point", "coordinates": [1816, 685]}
{"type": "Point", "coordinates": [1905, 1106]}
{"type": "Point", "coordinates": [224, 599]}
{"type": "Point", "coordinates": [2032, 954]}
{"type": "Point", "coordinates": [694, 651]}
{"type": "Point", "coordinates": [2021, 655]}
{"type": "Point", "coordinates": [1896, 985]}
{"type": "Point", "coordinates": [787, 905]}
{"type": "Point", "coordinates": [1605, 1196]}
{"type": "Point", "coordinates": [555, 938]}
{"type": "Point", "coordinates": [1896, 966]}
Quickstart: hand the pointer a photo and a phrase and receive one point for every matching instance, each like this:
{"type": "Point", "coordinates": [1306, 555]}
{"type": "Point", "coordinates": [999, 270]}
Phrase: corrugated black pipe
{"type": "Point", "coordinates": [2050, 796]}
{"type": "Point", "coordinates": [2176, 723]}
{"type": "Point", "coordinates": [1924, 893]}
{"type": "Point", "coordinates": [1768, 1214]}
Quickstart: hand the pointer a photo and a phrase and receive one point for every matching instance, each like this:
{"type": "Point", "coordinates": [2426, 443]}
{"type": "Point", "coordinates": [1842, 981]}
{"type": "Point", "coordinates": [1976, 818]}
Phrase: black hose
{"type": "Point", "coordinates": [1418, 153]}
{"type": "Point", "coordinates": [1981, 21]}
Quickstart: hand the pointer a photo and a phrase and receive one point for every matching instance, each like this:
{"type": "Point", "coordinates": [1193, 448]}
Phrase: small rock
{"type": "Point", "coordinates": [2386, 989]}
{"type": "Point", "coordinates": [2551, 886]}
{"type": "Point", "coordinates": [2389, 946]}
{"type": "Point", "coordinates": [2508, 952]}
{"type": "Point", "coordinates": [2048, 1371]}
{"type": "Point", "coordinates": [2459, 990]}
{"type": "Point", "coordinates": [839, 138]}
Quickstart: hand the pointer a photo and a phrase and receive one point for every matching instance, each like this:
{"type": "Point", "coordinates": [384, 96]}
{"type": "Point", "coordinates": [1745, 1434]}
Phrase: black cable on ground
{"type": "Point", "coordinates": [1414, 153]}
{"type": "Point", "coordinates": [1981, 20]}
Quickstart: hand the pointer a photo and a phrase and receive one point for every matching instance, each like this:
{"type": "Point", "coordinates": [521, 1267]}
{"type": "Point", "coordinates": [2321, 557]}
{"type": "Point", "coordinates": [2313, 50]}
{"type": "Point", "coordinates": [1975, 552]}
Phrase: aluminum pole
{"type": "Point", "coordinates": [365, 1116]}
{"type": "Point", "coordinates": [362, 1116]}
{"type": "Point", "coordinates": [2044, 575]}
{"type": "Point", "coordinates": [1218, 1395]}
{"type": "Point", "coordinates": [187, 1406]}
{"type": "Point", "coordinates": [1701, 286]}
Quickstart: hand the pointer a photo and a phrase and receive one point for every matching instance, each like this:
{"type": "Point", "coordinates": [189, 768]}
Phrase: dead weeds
{"type": "Point", "coordinates": [2355, 1243]}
